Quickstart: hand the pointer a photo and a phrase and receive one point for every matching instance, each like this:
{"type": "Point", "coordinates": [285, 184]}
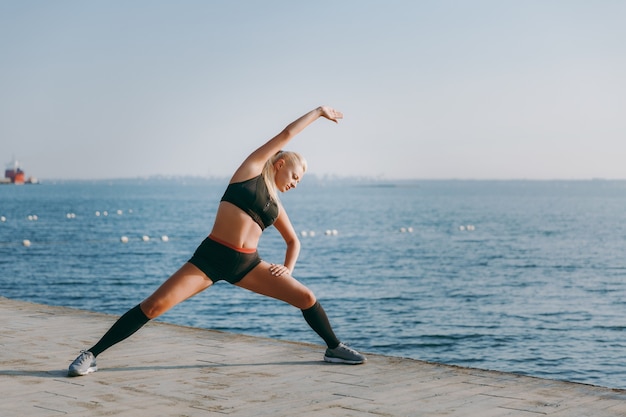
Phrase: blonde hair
{"type": "Point", "coordinates": [269, 173]}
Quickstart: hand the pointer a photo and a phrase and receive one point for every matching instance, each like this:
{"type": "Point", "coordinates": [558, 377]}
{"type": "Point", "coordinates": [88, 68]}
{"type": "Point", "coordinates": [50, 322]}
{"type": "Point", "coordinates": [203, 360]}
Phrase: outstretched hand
{"type": "Point", "coordinates": [331, 114]}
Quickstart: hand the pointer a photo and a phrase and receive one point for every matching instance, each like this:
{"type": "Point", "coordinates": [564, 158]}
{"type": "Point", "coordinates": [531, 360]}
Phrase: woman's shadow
{"type": "Point", "coordinates": [61, 373]}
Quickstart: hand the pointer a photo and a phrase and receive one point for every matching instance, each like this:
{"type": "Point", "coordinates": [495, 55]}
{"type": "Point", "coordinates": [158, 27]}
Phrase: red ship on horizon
{"type": "Point", "coordinates": [15, 175]}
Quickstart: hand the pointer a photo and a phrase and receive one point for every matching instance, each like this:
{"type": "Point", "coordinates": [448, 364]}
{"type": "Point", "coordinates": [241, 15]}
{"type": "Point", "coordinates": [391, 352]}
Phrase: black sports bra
{"type": "Point", "coordinates": [253, 197]}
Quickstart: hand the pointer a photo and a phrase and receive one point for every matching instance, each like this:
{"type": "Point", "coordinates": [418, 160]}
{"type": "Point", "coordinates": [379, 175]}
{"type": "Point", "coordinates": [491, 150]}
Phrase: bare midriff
{"type": "Point", "coordinates": [235, 227]}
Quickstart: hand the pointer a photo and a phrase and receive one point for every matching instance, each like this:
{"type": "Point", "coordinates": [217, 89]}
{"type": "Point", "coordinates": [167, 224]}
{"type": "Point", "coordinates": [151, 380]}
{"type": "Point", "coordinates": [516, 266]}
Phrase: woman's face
{"type": "Point", "coordinates": [287, 175]}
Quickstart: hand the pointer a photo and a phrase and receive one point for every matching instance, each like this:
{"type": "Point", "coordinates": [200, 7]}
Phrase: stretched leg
{"type": "Point", "coordinates": [184, 283]}
{"type": "Point", "coordinates": [125, 326]}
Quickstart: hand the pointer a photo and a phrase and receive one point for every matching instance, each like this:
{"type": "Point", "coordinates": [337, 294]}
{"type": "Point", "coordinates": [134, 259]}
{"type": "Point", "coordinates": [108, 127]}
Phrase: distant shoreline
{"type": "Point", "coordinates": [315, 180]}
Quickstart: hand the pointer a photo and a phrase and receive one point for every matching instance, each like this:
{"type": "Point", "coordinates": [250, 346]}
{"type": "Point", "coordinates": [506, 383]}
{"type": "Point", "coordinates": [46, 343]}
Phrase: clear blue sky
{"type": "Point", "coordinates": [430, 89]}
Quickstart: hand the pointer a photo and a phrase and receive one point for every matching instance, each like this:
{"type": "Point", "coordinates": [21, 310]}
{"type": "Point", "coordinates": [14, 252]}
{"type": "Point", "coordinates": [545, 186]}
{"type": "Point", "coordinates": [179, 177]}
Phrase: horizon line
{"type": "Point", "coordinates": [327, 177]}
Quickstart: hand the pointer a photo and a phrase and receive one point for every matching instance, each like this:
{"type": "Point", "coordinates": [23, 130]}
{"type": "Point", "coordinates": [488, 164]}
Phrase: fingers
{"type": "Point", "coordinates": [279, 270]}
{"type": "Point", "coordinates": [332, 114]}
{"type": "Point", "coordinates": [336, 114]}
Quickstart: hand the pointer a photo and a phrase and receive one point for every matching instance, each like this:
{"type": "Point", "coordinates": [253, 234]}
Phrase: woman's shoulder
{"type": "Point", "coordinates": [246, 171]}
{"type": "Point", "coordinates": [244, 181]}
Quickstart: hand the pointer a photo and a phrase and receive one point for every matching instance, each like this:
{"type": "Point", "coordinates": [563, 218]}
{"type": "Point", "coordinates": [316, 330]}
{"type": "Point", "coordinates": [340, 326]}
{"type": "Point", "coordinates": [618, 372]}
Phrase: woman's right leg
{"type": "Point", "coordinates": [183, 284]}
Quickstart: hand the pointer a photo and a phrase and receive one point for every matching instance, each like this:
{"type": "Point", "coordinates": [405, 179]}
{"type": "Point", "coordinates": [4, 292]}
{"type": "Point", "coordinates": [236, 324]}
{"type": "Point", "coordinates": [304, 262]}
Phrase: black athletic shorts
{"type": "Point", "coordinates": [221, 262]}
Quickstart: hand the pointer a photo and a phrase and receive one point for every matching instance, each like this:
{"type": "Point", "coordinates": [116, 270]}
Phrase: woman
{"type": "Point", "coordinates": [249, 205]}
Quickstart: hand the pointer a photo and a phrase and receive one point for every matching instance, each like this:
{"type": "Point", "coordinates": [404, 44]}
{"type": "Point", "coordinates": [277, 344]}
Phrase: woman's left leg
{"type": "Point", "coordinates": [290, 290]}
{"type": "Point", "coordinates": [287, 288]}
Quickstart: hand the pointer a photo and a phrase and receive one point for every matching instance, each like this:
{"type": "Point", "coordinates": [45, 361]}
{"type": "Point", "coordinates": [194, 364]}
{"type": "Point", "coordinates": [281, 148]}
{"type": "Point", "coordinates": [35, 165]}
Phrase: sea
{"type": "Point", "coordinates": [527, 277]}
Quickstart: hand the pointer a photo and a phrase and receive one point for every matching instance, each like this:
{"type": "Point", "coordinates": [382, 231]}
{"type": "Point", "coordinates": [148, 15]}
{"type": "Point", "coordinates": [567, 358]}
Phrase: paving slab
{"type": "Point", "coordinates": [169, 370]}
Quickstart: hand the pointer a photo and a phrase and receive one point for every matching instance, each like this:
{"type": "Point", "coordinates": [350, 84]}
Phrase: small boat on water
{"type": "Point", "coordinates": [15, 175]}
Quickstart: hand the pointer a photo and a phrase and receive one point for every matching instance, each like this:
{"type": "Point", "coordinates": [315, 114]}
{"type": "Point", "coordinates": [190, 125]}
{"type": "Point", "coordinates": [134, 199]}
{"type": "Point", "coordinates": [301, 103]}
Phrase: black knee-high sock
{"type": "Point", "coordinates": [317, 319]}
{"type": "Point", "coordinates": [124, 327]}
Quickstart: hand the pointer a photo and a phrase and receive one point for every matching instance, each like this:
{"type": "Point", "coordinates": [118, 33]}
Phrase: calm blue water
{"type": "Point", "coordinates": [538, 288]}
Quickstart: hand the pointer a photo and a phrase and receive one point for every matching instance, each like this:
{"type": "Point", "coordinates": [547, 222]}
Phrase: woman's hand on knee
{"type": "Point", "coordinates": [279, 270]}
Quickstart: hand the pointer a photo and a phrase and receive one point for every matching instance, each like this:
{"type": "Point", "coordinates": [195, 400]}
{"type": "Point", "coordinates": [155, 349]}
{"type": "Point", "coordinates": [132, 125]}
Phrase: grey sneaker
{"type": "Point", "coordinates": [84, 364]}
{"type": "Point", "coordinates": [344, 354]}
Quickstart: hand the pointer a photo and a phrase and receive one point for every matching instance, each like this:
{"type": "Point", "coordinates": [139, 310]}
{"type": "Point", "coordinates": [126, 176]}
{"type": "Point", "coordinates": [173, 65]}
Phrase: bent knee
{"type": "Point", "coordinates": [307, 300]}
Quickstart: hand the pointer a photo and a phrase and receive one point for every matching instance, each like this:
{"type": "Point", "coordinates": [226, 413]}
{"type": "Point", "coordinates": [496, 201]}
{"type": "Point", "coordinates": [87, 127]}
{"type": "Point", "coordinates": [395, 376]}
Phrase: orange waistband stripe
{"type": "Point", "coordinates": [228, 245]}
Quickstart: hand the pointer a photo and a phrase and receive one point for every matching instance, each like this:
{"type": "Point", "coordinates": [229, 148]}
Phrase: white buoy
{"type": "Point", "coordinates": [26, 243]}
{"type": "Point", "coordinates": [105, 213]}
{"type": "Point", "coordinates": [304, 233]}
{"type": "Point", "coordinates": [462, 228]}
{"type": "Point", "coordinates": [335, 232]}
{"type": "Point", "coordinates": [403, 230]}
{"type": "Point", "coordinates": [97, 214]}
{"type": "Point", "coordinates": [471, 227]}
{"type": "Point", "coordinates": [165, 238]}
{"type": "Point", "coordinates": [410, 230]}
{"type": "Point", "coordinates": [124, 239]}
{"type": "Point", "coordinates": [130, 211]}
{"type": "Point", "coordinates": [3, 219]}
{"type": "Point", "coordinates": [312, 233]}
{"type": "Point", "coordinates": [145, 238]}
{"type": "Point", "coordinates": [120, 212]}
{"type": "Point", "coordinates": [328, 232]}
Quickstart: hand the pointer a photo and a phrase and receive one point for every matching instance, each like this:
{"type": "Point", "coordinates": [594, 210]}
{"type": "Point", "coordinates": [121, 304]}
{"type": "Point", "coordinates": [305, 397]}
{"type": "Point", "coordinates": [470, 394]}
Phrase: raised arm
{"type": "Point", "coordinates": [253, 165]}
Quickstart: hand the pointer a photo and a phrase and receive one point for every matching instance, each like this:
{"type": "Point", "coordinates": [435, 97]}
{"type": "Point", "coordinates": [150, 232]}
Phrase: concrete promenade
{"type": "Point", "coordinates": [168, 370]}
